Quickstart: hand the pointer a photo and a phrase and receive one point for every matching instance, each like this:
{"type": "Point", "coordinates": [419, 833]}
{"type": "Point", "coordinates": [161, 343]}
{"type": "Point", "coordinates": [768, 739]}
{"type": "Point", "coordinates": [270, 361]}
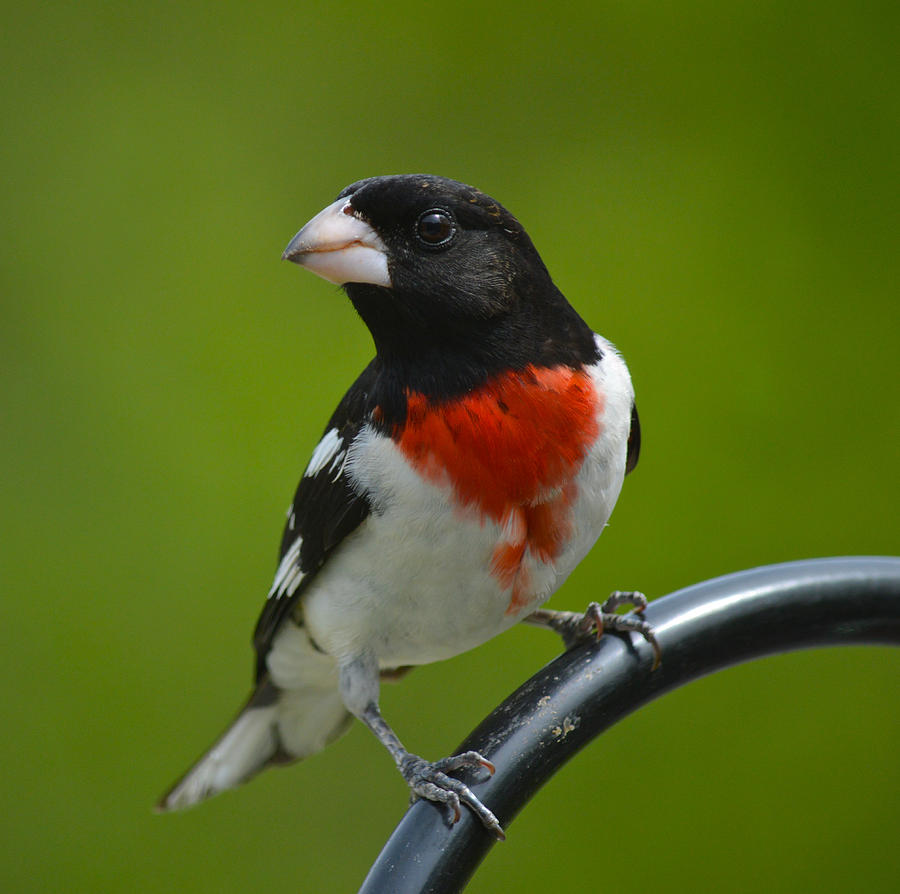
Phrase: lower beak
{"type": "Point", "coordinates": [340, 247]}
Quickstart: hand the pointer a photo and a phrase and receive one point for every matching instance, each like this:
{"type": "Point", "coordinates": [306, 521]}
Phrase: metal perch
{"type": "Point", "coordinates": [702, 628]}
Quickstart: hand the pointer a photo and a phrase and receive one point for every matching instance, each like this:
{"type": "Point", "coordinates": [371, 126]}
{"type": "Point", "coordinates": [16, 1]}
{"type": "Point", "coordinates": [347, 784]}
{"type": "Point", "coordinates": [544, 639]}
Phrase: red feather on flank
{"type": "Point", "coordinates": [511, 450]}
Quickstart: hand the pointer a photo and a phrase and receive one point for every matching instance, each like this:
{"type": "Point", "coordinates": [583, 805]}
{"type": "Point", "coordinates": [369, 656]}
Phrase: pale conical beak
{"type": "Point", "coordinates": [340, 247]}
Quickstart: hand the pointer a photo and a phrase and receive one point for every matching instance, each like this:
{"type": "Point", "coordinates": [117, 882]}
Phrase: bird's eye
{"type": "Point", "coordinates": [435, 227]}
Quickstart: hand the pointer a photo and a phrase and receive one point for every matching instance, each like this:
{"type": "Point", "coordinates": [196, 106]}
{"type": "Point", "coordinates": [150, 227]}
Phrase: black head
{"type": "Point", "coordinates": [444, 277]}
{"type": "Point", "coordinates": [454, 252]}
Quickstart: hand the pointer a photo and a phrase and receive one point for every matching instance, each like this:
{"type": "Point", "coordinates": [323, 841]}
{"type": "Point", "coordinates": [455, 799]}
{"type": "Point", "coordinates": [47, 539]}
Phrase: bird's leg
{"type": "Point", "coordinates": [575, 628]}
{"type": "Point", "coordinates": [426, 779]}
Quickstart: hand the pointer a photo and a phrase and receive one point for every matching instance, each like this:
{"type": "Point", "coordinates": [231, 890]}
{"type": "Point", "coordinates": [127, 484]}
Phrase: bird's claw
{"type": "Point", "coordinates": [576, 629]}
{"type": "Point", "coordinates": [429, 780]}
{"type": "Point", "coordinates": [600, 618]}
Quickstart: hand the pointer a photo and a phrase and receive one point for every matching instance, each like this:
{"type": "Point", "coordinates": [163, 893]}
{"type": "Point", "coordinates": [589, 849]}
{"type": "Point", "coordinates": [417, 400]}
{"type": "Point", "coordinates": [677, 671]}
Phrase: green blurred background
{"type": "Point", "coordinates": [713, 185]}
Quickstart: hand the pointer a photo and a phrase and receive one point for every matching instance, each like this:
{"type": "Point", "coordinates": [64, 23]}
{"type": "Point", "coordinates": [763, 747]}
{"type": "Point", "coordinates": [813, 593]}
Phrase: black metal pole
{"type": "Point", "coordinates": [702, 628]}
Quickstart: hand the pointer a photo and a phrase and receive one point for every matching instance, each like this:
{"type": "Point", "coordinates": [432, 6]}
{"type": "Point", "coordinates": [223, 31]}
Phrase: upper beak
{"type": "Point", "coordinates": [340, 247]}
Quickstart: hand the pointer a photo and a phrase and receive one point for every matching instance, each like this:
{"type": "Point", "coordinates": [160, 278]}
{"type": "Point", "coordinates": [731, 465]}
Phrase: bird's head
{"type": "Point", "coordinates": [416, 251]}
{"type": "Point", "coordinates": [446, 279]}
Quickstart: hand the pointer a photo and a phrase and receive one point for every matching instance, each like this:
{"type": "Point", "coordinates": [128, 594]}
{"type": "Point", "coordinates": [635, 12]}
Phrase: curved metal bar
{"type": "Point", "coordinates": [702, 628]}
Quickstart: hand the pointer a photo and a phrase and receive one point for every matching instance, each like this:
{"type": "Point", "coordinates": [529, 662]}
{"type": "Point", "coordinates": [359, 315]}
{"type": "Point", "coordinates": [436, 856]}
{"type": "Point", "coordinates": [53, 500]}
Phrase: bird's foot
{"type": "Point", "coordinates": [429, 780]}
{"type": "Point", "coordinates": [575, 628]}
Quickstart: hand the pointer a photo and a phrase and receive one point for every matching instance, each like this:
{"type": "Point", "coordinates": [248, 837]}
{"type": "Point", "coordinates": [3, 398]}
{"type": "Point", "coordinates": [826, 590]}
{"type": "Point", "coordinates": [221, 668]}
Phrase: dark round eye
{"type": "Point", "coordinates": [435, 227]}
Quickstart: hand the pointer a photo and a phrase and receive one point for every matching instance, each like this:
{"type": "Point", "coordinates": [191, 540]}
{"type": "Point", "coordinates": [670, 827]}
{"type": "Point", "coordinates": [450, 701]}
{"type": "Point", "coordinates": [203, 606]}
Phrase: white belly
{"type": "Point", "coordinates": [413, 584]}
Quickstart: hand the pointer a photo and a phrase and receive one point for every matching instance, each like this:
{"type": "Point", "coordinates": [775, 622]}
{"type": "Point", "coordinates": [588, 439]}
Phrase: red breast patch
{"type": "Point", "coordinates": [511, 450]}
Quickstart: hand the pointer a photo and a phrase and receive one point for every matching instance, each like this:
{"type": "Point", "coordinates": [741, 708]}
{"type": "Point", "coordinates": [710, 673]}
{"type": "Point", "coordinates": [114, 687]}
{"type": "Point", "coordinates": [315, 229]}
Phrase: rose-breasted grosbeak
{"type": "Point", "coordinates": [463, 476]}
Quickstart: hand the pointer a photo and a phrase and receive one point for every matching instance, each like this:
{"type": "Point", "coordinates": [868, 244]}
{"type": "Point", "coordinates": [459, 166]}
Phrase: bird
{"type": "Point", "coordinates": [465, 473]}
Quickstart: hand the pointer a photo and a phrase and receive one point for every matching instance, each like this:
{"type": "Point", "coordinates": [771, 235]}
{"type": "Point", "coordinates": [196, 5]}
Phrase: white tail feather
{"type": "Point", "coordinates": [292, 725]}
{"type": "Point", "coordinates": [293, 714]}
{"type": "Point", "coordinates": [242, 751]}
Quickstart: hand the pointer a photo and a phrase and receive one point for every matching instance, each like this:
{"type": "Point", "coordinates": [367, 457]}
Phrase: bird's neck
{"type": "Point", "coordinates": [442, 361]}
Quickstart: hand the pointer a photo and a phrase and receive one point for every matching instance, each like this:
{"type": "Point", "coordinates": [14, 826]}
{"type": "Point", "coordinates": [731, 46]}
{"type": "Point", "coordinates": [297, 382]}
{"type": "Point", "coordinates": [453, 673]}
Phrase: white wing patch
{"type": "Point", "coordinates": [289, 573]}
{"type": "Point", "coordinates": [329, 453]}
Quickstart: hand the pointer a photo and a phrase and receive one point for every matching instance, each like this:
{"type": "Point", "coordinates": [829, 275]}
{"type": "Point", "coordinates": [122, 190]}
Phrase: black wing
{"type": "Point", "coordinates": [634, 441]}
{"type": "Point", "coordinates": [325, 510]}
